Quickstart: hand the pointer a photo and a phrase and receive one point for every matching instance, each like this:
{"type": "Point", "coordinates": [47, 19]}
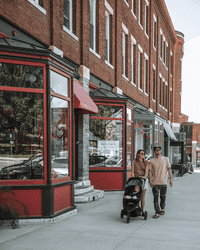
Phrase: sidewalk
{"type": "Point", "coordinates": [98, 226]}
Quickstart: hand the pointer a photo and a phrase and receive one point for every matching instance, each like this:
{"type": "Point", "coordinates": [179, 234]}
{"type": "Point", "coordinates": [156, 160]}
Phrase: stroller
{"type": "Point", "coordinates": [132, 196]}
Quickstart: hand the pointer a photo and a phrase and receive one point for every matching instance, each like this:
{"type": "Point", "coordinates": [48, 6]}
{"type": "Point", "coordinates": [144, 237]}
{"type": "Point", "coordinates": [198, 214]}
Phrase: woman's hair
{"type": "Point", "coordinates": [138, 152]}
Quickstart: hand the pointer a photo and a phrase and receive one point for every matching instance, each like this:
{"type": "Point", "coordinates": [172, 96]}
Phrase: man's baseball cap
{"type": "Point", "coordinates": [156, 148]}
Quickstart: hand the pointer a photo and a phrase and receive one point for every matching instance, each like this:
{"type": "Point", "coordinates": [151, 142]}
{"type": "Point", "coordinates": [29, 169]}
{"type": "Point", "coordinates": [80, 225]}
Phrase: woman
{"type": "Point", "coordinates": [140, 169]}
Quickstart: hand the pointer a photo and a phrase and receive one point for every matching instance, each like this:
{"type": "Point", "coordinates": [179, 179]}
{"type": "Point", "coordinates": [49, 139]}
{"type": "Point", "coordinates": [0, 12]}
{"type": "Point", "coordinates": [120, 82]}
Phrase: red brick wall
{"type": "Point", "coordinates": [49, 29]}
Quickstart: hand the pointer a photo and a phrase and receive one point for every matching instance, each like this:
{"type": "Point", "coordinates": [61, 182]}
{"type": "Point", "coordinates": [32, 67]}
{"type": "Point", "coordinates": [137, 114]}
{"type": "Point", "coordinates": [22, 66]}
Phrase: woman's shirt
{"type": "Point", "coordinates": [139, 167]}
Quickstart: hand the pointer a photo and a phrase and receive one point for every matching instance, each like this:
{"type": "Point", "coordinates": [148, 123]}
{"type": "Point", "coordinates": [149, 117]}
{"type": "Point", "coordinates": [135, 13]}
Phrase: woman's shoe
{"type": "Point", "coordinates": [155, 216]}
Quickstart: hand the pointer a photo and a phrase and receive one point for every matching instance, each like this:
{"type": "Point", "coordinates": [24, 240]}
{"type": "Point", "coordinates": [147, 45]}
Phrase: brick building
{"type": "Point", "coordinates": [126, 55]}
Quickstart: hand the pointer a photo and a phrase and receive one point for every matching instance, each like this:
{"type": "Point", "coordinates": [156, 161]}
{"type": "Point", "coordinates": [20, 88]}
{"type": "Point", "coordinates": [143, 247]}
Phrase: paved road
{"type": "Point", "coordinates": [98, 226]}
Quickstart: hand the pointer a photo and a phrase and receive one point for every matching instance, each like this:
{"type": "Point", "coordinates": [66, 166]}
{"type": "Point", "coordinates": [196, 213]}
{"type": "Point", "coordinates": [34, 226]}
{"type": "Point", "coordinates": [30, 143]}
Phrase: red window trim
{"type": "Point", "coordinates": [123, 134]}
{"type": "Point", "coordinates": [60, 96]}
{"type": "Point", "coordinates": [42, 91]}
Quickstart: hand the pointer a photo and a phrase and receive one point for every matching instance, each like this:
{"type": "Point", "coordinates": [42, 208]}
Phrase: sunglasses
{"type": "Point", "coordinates": [142, 153]}
{"type": "Point", "coordinates": [158, 150]}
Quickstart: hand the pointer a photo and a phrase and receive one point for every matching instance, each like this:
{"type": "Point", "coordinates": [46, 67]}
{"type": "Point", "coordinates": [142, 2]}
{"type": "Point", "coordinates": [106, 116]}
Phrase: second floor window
{"type": "Point", "coordinates": [154, 84]}
{"type": "Point", "coordinates": [93, 24]}
{"type": "Point", "coordinates": [146, 19]}
{"type": "Point", "coordinates": [133, 7]}
{"type": "Point", "coordinates": [133, 63]}
{"type": "Point", "coordinates": [146, 75]}
{"type": "Point", "coordinates": [107, 37]}
{"type": "Point", "coordinates": [68, 14]}
{"type": "Point", "coordinates": [139, 70]}
{"type": "Point", "coordinates": [140, 12]}
{"type": "Point", "coordinates": [123, 54]}
{"type": "Point", "coordinates": [154, 32]}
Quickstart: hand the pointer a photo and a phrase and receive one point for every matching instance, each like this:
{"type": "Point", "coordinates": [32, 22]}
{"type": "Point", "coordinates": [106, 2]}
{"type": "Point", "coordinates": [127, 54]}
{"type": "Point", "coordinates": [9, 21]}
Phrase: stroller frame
{"type": "Point", "coordinates": [131, 208]}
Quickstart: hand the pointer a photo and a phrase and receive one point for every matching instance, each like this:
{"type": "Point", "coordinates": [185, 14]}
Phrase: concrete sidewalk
{"type": "Point", "coordinates": [98, 226]}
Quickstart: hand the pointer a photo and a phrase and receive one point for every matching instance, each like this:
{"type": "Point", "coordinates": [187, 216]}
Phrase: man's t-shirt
{"type": "Point", "coordinates": [159, 167]}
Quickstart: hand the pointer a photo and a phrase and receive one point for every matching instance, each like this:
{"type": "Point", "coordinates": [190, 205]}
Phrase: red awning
{"type": "Point", "coordinates": [83, 101]}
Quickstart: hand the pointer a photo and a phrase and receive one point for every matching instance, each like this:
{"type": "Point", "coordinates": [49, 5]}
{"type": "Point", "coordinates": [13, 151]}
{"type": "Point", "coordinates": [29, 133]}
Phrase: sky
{"type": "Point", "coordinates": [185, 16]}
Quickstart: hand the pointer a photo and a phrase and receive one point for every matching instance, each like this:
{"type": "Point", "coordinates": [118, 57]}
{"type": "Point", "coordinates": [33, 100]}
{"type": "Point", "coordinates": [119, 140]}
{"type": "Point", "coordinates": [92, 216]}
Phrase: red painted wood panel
{"type": "Point", "coordinates": [62, 198]}
{"type": "Point", "coordinates": [107, 180]}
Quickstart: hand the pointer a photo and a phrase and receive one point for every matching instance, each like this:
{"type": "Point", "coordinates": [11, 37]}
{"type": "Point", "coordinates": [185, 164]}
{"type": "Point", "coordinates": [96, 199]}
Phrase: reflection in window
{"type": "Point", "coordinates": [106, 142]}
{"type": "Point", "coordinates": [143, 137]}
{"type": "Point", "coordinates": [176, 154]}
{"type": "Point", "coordinates": [21, 134]}
{"type": "Point", "coordinates": [59, 139]}
{"type": "Point", "coordinates": [59, 84]}
{"type": "Point", "coordinates": [22, 76]}
{"type": "Point", "coordinates": [109, 111]}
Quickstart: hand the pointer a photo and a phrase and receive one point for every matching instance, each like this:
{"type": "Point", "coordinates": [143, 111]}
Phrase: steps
{"type": "Point", "coordinates": [84, 192]}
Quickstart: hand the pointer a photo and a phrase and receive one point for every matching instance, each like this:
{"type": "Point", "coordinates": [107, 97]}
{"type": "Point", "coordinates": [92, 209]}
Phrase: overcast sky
{"type": "Point", "coordinates": [185, 16]}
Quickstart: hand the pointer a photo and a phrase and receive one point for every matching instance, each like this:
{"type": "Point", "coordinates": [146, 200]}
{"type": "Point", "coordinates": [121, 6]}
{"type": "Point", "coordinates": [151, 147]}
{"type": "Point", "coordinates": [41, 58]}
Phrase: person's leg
{"type": "Point", "coordinates": [155, 191]}
{"type": "Point", "coordinates": [163, 191]}
{"type": "Point", "coordinates": [143, 198]}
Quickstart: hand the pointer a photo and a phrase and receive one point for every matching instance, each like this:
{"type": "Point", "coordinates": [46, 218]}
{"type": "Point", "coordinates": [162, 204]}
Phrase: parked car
{"type": "Point", "coordinates": [28, 169]}
{"type": "Point", "coordinates": [95, 158]}
{"type": "Point", "coordinates": [113, 161]}
{"type": "Point", "coordinates": [60, 166]}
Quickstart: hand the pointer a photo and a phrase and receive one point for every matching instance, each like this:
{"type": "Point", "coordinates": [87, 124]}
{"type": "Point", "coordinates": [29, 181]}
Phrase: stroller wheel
{"type": "Point", "coordinates": [122, 213]}
{"type": "Point", "coordinates": [145, 215]}
{"type": "Point", "coordinates": [128, 218]}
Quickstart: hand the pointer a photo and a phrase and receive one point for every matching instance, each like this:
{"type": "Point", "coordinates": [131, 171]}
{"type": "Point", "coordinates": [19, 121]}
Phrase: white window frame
{"type": "Point", "coordinates": [140, 51]}
{"type": "Point", "coordinates": [145, 17]}
{"type": "Point", "coordinates": [139, 12]}
{"type": "Point", "coordinates": [146, 58]}
{"type": "Point", "coordinates": [93, 21]}
{"type": "Point", "coordinates": [124, 33]}
{"type": "Point", "coordinates": [153, 83]}
{"type": "Point", "coordinates": [154, 31]}
{"type": "Point", "coordinates": [133, 43]}
{"type": "Point", "coordinates": [108, 13]}
{"type": "Point", "coordinates": [123, 54]}
{"type": "Point", "coordinates": [70, 30]}
{"type": "Point", "coordinates": [107, 35]}
{"type": "Point", "coordinates": [36, 4]}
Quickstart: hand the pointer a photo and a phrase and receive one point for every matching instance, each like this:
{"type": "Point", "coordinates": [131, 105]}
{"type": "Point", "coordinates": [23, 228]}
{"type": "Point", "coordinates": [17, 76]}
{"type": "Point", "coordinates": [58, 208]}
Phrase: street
{"type": "Point", "coordinates": [97, 225]}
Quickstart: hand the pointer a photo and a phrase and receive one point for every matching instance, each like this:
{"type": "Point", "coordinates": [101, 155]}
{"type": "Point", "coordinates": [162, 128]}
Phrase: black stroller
{"type": "Point", "coordinates": [132, 197]}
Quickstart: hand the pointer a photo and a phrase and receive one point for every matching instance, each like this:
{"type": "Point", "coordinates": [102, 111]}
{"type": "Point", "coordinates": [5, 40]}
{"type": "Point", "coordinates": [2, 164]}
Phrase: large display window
{"type": "Point", "coordinates": [60, 102]}
{"type": "Point", "coordinates": [144, 137]}
{"type": "Point", "coordinates": [106, 137]}
{"type": "Point", "coordinates": [22, 116]}
{"type": "Point", "coordinates": [130, 140]}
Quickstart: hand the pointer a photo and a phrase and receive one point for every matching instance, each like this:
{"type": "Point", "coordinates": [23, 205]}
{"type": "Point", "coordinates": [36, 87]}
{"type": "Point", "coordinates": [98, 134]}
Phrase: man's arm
{"type": "Point", "coordinates": [170, 176]}
{"type": "Point", "coordinates": [150, 174]}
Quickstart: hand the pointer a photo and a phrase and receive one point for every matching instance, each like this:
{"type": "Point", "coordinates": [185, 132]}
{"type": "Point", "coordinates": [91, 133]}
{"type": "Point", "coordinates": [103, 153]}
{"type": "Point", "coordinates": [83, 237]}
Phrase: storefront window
{"type": "Point", "coordinates": [21, 122]}
{"type": "Point", "coordinates": [23, 76]}
{"type": "Point", "coordinates": [129, 136]}
{"type": "Point", "coordinates": [59, 126]}
{"type": "Point", "coordinates": [143, 137]}
{"type": "Point", "coordinates": [106, 138]}
{"type": "Point", "coordinates": [176, 154]}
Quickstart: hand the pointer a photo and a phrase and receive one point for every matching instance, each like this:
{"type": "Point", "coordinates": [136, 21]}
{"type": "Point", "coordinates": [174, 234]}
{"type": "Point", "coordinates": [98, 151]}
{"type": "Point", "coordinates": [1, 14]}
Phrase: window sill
{"type": "Point", "coordinates": [133, 84]}
{"type": "Point", "coordinates": [134, 14]}
{"type": "Point", "coordinates": [70, 33]}
{"type": "Point", "coordinates": [153, 100]}
{"type": "Point", "coordinates": [38, 6]}
{"type": "Point", "coordinates": [146, 94]}
{"type": "Point", "coordinates": [125, 77]}
{"type": "Point", "coordinates": [110, 65]}
{"type": "Point", "coordinates": [126, 3]}
{"type": "Point", "coordinates": [154, 48]}
{"type": "Point", "coordinates": [97, 55]}
{"type": "Point", "coordinates": [146, 35]}
{"type": "Point", "coordinates": [140, 25]}
{"type": "Point", "coordinates": [140, 89]}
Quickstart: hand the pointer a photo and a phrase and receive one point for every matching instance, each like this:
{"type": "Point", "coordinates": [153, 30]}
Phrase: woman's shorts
{"type": "Point", "coordinates": [146, 185]}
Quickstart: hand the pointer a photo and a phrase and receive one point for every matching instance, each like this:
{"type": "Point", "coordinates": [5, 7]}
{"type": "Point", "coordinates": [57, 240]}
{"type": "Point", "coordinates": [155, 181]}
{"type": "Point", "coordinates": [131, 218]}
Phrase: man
{"type": "Point", "coordinates": [160, 166]}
